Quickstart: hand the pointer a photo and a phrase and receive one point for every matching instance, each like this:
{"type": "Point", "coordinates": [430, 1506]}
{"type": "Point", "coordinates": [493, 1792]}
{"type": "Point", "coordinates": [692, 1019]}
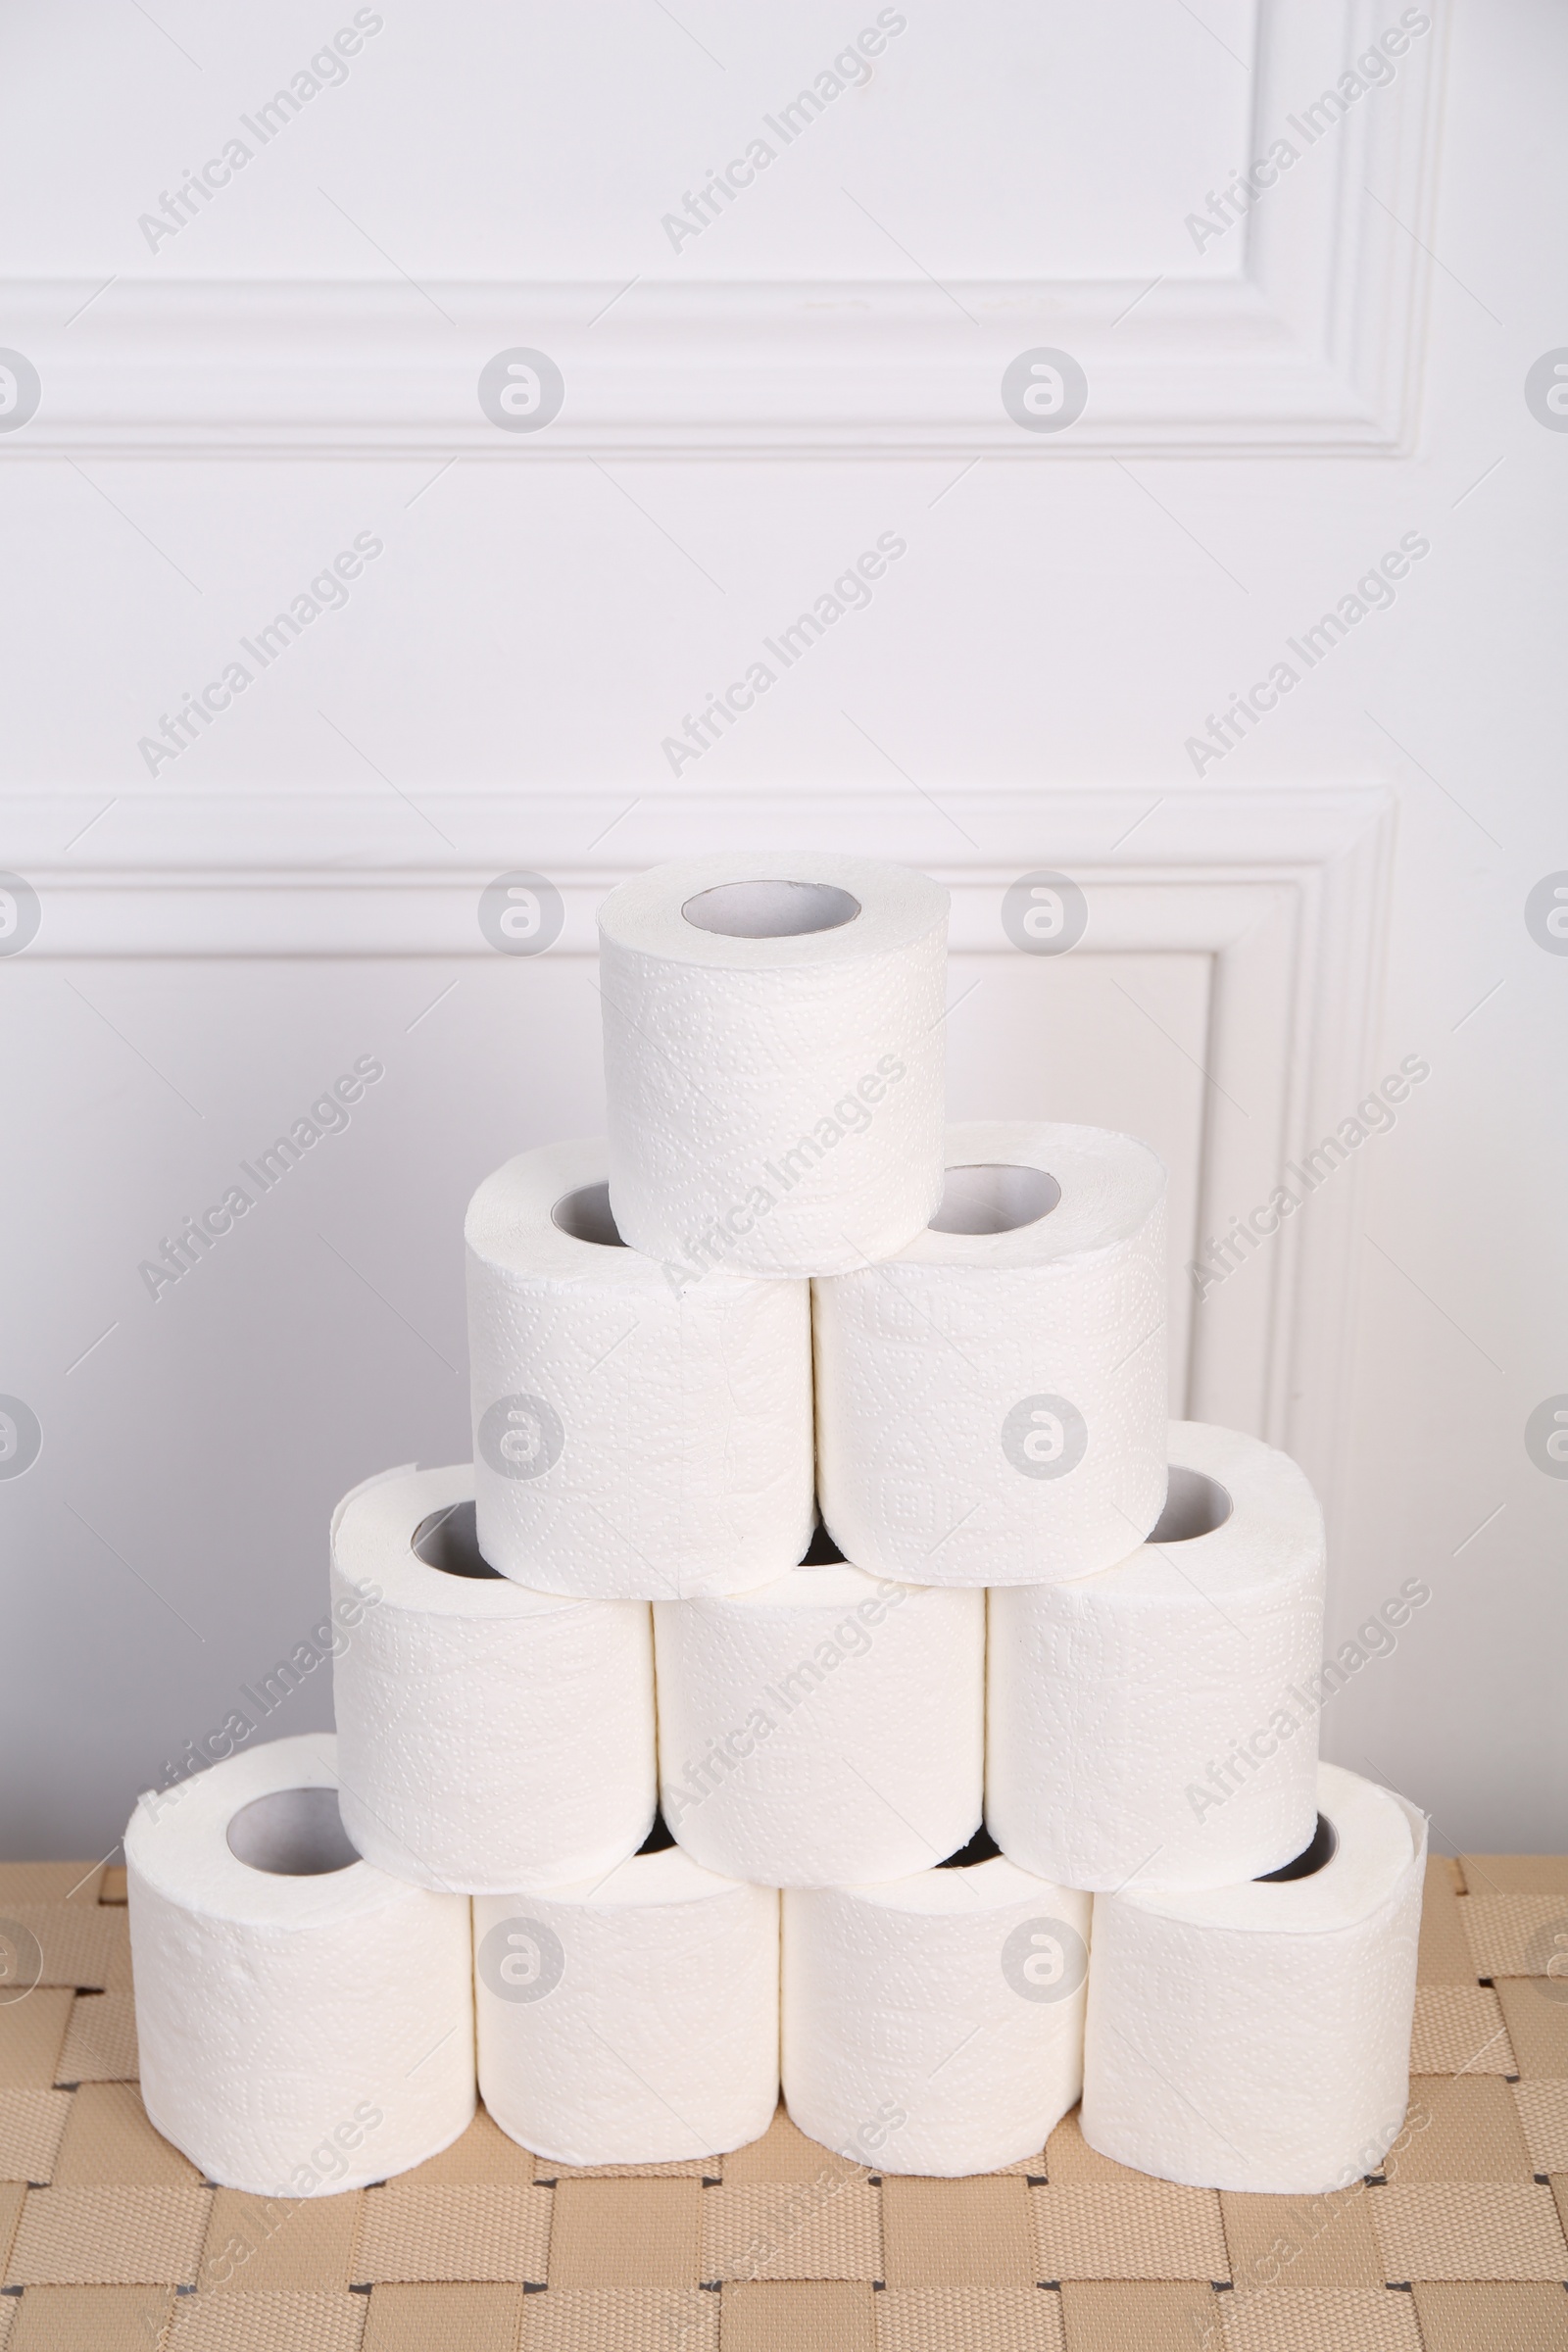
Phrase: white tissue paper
{"type": "Point", "coordinates": [489, 1738]}
{"type": "Point", "coordinates": [1257, 2037]}
{"type": "Point", "coordinates": [1157, 1724]}
{"type": "Point", "coordinates": [631, 2021]}
{"type": "Point", "coordinates": [991, 1403]}
{"type": "Point", "coordinates": [305, 2022]}
{"type": "Point", "coordinates": [774, 1057]}
{"type": "Point", "coordinates": [823, 1728]}
{"type": "Point", "coordinates": [935, 2024]}
{"type": "Point", "coordinates": [634, 1437]}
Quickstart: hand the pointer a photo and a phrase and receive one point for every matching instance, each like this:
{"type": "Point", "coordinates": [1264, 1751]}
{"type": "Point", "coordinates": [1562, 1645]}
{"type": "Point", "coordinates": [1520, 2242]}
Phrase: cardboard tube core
{"type": "Point", "coordinates": [449, 1541]}
{"type": "Point", "coordinates": [770, 909]}
{"type": "Point", "coordinates": [994, 1197]}
{"type": "Point", "coordinates": [293, 1833]}
{"type": "Point", "coordinates": [586, 1215]}
{"type": "Point", "coordinates": [1195, 1506]}
{"type": "Point", "coordinates": [1322, 1849]}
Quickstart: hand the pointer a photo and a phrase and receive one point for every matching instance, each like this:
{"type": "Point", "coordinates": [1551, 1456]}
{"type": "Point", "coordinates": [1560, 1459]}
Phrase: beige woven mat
{"type": "Point", "coordinates": [110, 2241]}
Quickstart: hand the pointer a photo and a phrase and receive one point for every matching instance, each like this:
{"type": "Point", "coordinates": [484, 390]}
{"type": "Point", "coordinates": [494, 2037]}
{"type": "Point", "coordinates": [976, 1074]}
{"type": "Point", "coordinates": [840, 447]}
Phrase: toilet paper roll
{"type": "Point", "coordinates": [1155, 1723]}
{"type": "Point", "coordinates": [489, 1738]}
{"type": "Point", "coordinates": [1257, 2037]}
{"type": "Point", "coordinates": [935, 2024]}
{"type": "Point", "coordinates": [634, 1438]}
{"type": "Point", "coordinates": [305, 2022]}
{"type": "Point", "coordinates": [991, 1403]}
{"type": "Point", "coordinates": [823, 1728]}
{"type": "Point", "coordinates": [773, 1056]}
{"type": "Point", "coordinates": [631, 2021]}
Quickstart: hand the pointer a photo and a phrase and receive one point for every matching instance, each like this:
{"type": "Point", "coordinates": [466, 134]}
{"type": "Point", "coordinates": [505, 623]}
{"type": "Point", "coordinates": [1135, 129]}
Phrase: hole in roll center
{"type": "Point", "coordinates": [1322, 1849]}
{"type": "Point", "coordinates": [586, 1215]}
{"type": "Point", "coordinates": [449, 1540]}
{"type": "Point", "coordinates": [770, 909]}
{"type": "Point", "coordinates": [1195, 1506]}
{"type": "Point", "coordinates": [994, 1197]}
{"type": "Point", "coordinates": [292, 1834]}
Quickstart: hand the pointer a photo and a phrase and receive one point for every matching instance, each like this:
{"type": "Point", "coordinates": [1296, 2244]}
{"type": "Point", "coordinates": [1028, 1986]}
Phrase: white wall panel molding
{"type": "Point", "coordinates": [1311, 348]}
{"type": "Point", "coordinates": [1282, 888]}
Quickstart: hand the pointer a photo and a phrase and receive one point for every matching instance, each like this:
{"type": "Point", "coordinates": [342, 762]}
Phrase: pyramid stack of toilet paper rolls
{"type": "Point", "coordinates": [834, 1666]}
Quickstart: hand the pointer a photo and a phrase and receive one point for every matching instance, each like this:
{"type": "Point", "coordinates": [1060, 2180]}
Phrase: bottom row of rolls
{"type": "Point", "coordinates": [309, 2024]}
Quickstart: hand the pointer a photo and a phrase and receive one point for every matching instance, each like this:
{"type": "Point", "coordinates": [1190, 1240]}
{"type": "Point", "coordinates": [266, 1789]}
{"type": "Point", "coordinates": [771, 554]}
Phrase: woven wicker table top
{"type": "Point", "coordinates": [111, 2243]}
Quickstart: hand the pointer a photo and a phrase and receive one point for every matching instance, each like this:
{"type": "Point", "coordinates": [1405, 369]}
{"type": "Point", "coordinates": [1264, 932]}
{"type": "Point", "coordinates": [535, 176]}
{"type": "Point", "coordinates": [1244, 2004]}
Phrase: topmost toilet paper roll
{"type": "Point", "coordinates": [991, 1403]}
{"type": "Point", "coordinates": [774, 1057]}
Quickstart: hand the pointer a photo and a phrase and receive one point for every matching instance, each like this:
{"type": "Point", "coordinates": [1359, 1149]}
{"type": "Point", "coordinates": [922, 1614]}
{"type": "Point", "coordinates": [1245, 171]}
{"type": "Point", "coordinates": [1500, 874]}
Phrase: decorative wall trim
{"type": "Point", "coordinates": [1312, 348]}
{"type": "Point", "coordinates": [1282, 887]}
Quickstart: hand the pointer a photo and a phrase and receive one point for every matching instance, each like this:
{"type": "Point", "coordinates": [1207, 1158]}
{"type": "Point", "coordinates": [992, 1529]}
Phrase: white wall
{"type": "Point", "coordinates": [298, 887]}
